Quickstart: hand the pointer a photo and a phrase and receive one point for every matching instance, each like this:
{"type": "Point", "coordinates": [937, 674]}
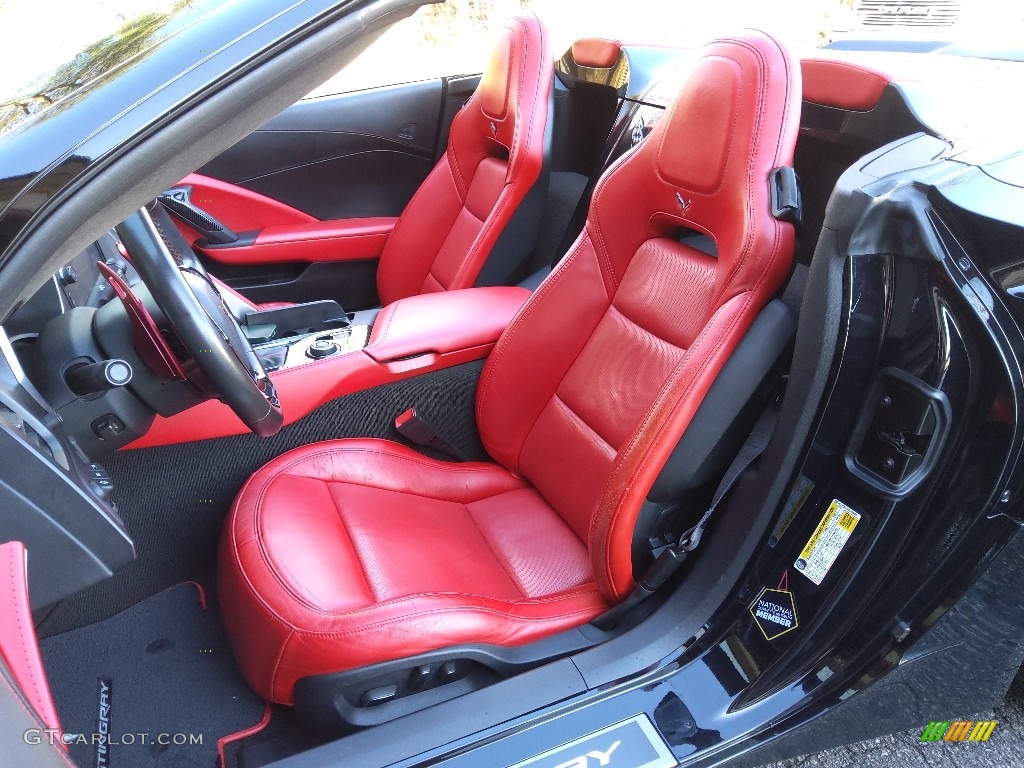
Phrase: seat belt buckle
{"type": "Point", "coordinates": [414, 428]}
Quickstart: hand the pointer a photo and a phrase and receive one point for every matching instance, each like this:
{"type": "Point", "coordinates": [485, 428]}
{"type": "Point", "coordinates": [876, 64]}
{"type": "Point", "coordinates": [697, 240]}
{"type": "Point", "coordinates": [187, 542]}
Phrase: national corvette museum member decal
{"type": "Point", "coordinates": [774, 610]}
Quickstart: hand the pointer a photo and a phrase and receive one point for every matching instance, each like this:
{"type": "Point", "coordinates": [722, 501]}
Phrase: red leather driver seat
{"type": "Point", "coordinates": [351, 552]}
{"type": "Point", "coordinates": [494, 158]}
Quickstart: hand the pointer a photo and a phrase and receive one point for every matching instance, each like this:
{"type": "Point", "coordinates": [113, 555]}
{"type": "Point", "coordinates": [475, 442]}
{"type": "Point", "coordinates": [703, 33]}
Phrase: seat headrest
{"type": "Point", "coordinates": [714, 124]}
{"type": "Point", "coordinates": [706, 164]}
{"type": "Point", "coordinates": [513, 92]}
{"type": "Point", "coordinates": [520, 61]}
{"type": "Point", "coordinates": [699, 134]}
{"type": "Point", "coordinates": [596, 52]}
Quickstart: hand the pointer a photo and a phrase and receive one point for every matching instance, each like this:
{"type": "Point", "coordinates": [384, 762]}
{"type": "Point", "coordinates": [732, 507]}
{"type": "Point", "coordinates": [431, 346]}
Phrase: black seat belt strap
{"type": "Point", "coordinates": [751, 451]}
{"type": "Point", "coordinates": [673, 556]}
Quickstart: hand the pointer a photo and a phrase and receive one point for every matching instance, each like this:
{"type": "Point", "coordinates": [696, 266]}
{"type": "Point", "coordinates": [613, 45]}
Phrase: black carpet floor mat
{"type": "Point", "coordinates": [161, 671]}
{"type": "Point", "coordinates": [282, 737]}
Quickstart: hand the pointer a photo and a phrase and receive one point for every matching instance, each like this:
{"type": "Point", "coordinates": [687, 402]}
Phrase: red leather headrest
{"type": "Point", "coordinates": [843, 84]}
{"type": "Point", "coordinates": [514, 86]}
{"type": "Point", "coordinates": [707, 162]}
{"type": "Point", "coordinates": [596, 52]}
{"type": "Point", "coordinates": [700, 130]}
{"type": "Point", "coordinates": [711, 126]}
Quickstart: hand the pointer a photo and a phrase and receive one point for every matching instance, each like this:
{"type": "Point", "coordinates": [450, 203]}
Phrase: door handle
{"type": "Point", "coordinates": [178, 201]}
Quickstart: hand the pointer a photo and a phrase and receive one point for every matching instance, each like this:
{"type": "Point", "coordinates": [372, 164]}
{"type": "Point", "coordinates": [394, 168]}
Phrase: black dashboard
{"type": "Point", "coordinates": [54, 495]}
{"type": "Point", "coordinates": [77, 284]}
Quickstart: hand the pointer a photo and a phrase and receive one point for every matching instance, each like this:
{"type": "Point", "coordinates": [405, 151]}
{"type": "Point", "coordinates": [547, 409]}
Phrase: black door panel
{"type": "Point", "coordinates": [364, 183]}
{"type": "Point", "coordinates": [406, 114]}
{"type": "Point", "coordinates": [271, 153]}
{"type": "Point", "coordinates": [354, 154]}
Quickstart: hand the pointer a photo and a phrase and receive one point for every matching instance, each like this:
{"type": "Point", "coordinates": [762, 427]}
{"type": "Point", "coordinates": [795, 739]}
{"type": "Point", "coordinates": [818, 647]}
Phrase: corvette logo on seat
{"type": "Point", "coordinates": [683, 202]}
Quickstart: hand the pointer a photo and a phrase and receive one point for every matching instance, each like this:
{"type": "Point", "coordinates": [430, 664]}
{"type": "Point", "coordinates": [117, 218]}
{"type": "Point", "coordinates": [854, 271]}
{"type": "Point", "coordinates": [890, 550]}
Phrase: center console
{"type": "Point", "coordinates": [294, 351]}
{"type": "Point", "coordinates": [316, 353]}
{"type": "Point", "coordinates": [294, 334]}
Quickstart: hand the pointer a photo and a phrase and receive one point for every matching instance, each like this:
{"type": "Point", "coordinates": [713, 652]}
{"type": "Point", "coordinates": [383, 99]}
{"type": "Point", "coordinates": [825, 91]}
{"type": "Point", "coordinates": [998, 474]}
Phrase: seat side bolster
{"type": "Point", "coordinates": [704, 448]}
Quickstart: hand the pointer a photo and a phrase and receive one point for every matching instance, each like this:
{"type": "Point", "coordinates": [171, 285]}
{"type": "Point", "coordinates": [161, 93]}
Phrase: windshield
{"type": "Point", "coordinates": [85, 41]}
{"type": "Point", "coordinates": [81, 43]}
{"type": "Point", "coordinates": [454, 37]}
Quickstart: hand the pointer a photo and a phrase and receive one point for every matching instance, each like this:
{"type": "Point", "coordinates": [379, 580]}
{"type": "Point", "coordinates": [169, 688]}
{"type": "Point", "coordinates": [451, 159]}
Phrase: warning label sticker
{"type": "Point", "coordinates": [827, 541]}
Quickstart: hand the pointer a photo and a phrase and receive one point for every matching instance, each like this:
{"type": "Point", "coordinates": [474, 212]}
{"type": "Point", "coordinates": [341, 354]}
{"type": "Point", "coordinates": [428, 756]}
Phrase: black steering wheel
{"type": "Point", "coordinates": [195, 309]}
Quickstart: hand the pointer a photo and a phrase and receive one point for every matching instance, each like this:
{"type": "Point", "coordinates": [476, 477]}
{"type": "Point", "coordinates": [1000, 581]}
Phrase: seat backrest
{"type": "Point", "coordinates": [596, 379]}
{"type": "Point", "coordinates": [494, 157]}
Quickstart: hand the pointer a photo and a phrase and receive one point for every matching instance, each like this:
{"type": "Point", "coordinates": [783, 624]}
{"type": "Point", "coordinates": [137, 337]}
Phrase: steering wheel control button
{"type": "Point", "coordinates": [90, 378]}
{"type": "Point", "coordinates": [320, 348]}
{"type": "Point", "coordinates": [107, 427]}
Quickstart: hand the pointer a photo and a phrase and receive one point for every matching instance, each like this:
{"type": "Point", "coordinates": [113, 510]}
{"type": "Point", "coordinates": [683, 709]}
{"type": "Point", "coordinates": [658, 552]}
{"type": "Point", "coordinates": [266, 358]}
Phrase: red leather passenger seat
{"type": "Point", "coordinates": [350, 552]}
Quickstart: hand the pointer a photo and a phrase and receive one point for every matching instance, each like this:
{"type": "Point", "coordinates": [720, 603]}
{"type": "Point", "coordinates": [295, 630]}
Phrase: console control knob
{"type": "Point", "coordinates": [67, 275]}
{"type": "Point", "coordinates": [322, 348]}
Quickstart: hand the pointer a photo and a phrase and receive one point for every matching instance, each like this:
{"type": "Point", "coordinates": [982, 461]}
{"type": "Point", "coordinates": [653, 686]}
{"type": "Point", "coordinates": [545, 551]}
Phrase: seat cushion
{"type": "Point", "coordinates": [351, 552]}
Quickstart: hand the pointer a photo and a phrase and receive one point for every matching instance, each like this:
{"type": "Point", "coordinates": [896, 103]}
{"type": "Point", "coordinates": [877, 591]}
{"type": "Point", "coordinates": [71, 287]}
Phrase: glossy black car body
{"type": "Point", "coordinates": [910, 319]}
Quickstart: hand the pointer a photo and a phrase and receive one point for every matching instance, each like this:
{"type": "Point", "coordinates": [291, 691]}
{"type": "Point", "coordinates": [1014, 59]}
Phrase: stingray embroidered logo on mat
{"type": "Point", "coordinates": [104, 692]}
